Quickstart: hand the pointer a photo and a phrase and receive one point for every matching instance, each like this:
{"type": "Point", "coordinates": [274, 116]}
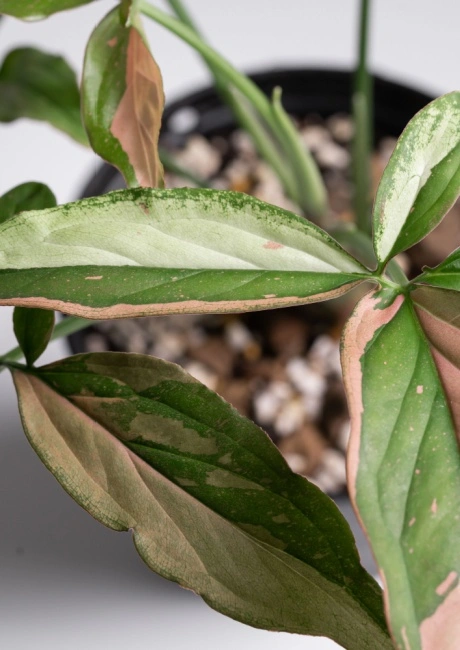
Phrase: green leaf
{"type": "Point", "coordinates": [40, 86]}
{"type": "Point", "coordinates": [404, 471]}
{"type": "Point", "coordinates": [28, 196]}
{"type": "Point", "coordinates": [422, 179]}
{"type": "Point", "coordinates": [122, 95]}
{"type": "Point", "coordinates": [446, 274]}
{"type": "Point", "coordinates": [213, 505]}
{"type": "Point", "coordinates": [143, 251]}
{"type": "Point", "coordinates": [33, 329]}
{"type": "Point", "coordinates": [37, 9]}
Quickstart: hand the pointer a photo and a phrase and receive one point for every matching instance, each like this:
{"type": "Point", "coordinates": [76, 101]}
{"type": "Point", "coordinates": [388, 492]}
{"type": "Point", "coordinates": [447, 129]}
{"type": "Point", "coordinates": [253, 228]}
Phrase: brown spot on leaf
{"type": "Point", "coordinates": [434, 507]}
{"type": "Point", "coordinates": [94, 277]}
{"type": "Point", "coordinates": [419, 390]}
{"type": "Point", "coordinates": [112, 42]}
{"type": "Point", "coordinates": [273, 245]}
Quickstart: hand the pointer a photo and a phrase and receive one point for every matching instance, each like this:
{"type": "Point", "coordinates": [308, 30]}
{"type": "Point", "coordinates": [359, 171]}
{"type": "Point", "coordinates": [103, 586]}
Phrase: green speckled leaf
{"type": "Point", "coordinates": [122, 100]}
{"type": "Point", "coordinates": [36, 9]}
{"type": "Point", "coordinates": [142, 251]}
{"type": "Point", "coordinates": [404, 471]}
{"type": "Point", "coordinates": [422, 179]}
{"type": "Point", "coordinates": [212, 504]}
{"type": "Point", "coordinates": [40, 86]}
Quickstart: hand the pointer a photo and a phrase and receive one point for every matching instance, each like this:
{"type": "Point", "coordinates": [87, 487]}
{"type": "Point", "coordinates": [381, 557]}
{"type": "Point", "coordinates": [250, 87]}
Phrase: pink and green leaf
{"type": "Point", "coordinates": [422, 179]}
{"type": "Point", "coordinates": [36, 9]}
{"type": "Point", "coordinates": [33, 329]}
{"type": "Point", "coordinates": [142, 251]}
{"type": "Point", "coordinates": [122, 97]}
{"type": "Point", "coordinates": [404, 471]}
{"type": "Point", "coordinates": [40, 86]}
{"type": "Point", "coordinates": [212, 504]}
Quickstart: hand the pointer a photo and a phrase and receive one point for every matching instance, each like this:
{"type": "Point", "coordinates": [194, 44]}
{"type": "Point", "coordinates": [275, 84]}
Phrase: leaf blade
{"type": "Point", "coordinates": [404, 469]}
{"type": "Point", "coordinates": [37, 9]}
{"type": "Point", "coordinates": [422, 179]}
{"type": "Point", "coordinates": [121, 76]}
{"type": "Point", "coordinates": [33, 329]}
{"type": "Point", "coordinates": [188, 251]}
{"type": "Point", "coordinates": [27, 196]}
{"type": "Point", "coordinates": [40, 86]}
{"type": "Point", "coordinates": [243, 562]}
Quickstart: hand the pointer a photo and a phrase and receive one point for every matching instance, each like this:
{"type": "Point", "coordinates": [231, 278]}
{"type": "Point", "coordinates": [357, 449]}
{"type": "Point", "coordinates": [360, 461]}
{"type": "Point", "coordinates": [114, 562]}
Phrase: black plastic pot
{"type": "Point", "coordinates": [305, 92]}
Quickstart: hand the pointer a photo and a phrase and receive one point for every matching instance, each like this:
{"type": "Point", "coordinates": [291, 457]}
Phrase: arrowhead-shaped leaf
{"type": "Point", "coordinates": [36, 9]}
{"type": "Point", "coordinates": [28, 196]}
{"type": "Point", "coordinates": [122, 94]}
{"type": "Point", "coordinates": [142, 445]}
{"type": "Point", "coordinates": [33, 329]}
{"type": "Point", "coordinates": [422, 179]}
{"type": "Point", "coordinates": [404, 471]}
{"type": "Point", "coordinates": [142, 251]}
{"type": "Point", "coordinates": [40, 86]}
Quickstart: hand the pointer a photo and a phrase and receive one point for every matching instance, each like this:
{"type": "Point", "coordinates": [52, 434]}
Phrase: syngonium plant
{"type": "Point", "coordinates": [142, 445]}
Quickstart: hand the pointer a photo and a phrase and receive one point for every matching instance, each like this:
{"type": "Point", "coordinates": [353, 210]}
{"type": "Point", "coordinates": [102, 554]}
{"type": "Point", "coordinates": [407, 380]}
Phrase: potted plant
{"type": "Point", "coordinates": [142, 445]}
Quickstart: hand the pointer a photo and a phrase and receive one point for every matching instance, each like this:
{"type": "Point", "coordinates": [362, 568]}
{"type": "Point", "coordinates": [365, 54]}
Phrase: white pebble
{"type": "Point", "coordinates": [333, 464]}
{"type": "Point", "coordinates": [200, 156]}
{"type": "Point", "coordinates": [238, 336]}
{"type": "Point", "coordinates": [169, 346]}
{"type": "Point", "coordinates": [290, 418]}
{"type": "Point", "coordinates": [200, 372]}
{"type": "Point", "coordinates": [315, 137]}
{"type": "Point", "coordinates": [334, 156]}
{"type": "Point", "coordinates": [296, 462]}
{"type": "Point", "coordinates": [324, 356]}
{"type": "Point", "coordinates": [268, 402]}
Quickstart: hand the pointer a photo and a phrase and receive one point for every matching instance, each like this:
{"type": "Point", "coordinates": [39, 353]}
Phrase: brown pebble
{"type": "Point", "coordinates": [215, 354]}
{"type": "Point", "coordinates": [288, 336]}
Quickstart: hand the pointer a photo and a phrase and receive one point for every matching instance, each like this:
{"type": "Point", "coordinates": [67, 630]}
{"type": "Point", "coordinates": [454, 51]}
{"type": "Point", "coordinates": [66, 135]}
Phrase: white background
{"type": "Point", "coordinates": [65, 581]}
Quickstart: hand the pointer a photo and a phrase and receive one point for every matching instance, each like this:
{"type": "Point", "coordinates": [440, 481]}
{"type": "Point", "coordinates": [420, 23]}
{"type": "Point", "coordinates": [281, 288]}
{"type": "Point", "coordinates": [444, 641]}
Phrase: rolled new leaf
{"type": "Point", "coordinates": [422, 179]}
{"type": "Point", "coordinates": [404, 471]}
{"type": "Point", "coordinates": [36, 9]}
{"type": "Point", "coordinates": [143, 251]}
{"type": "Point", "coordinates": [122, 100]}
{"type": "Point", "coordinates": [213, 505]}
{"type": "Point", "coordinates": [40, 86]}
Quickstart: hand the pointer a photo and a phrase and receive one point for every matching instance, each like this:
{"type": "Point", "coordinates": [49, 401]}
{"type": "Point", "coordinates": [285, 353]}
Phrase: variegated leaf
{"type": "Point", "coordinates": [211, 502]}
{"type": "Point", "coordinates": [404, 471]}
{"type": "Point", "coordinates": [36, 9]}
{"type": "Point", "coordinates": [422, 179]}
{"type": "Point", "coordinates": [142, 251]}
{"type": "Point", "coordinates": [122, 95]}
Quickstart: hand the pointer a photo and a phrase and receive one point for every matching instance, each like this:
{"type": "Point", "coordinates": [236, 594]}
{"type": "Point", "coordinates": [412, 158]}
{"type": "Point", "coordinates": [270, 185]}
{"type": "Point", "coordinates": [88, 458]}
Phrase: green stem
{"type": "Point", "coordinates": [308, 177]}
{"type": "Point", "coordinates": [363, 120]}
{"type": "Point", "coordinates": [243, 113]}
{"type": "Point", "coordinates": [66, 327]}
{"type": "Point", "coordinates": [227, 75]}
